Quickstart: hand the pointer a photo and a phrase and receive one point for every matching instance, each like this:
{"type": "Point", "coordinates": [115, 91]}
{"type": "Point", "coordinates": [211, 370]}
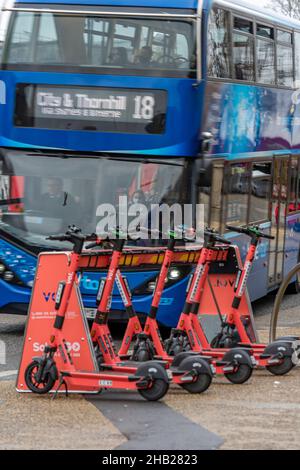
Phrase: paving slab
{"type": "Point", "coordinates": [36, 422]}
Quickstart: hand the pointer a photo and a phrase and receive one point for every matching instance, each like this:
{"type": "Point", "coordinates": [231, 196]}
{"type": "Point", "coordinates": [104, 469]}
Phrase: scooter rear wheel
{"type": "Point", "coordinates": [241, 375]}
{"type": "Point", "coordinates": [201, 384]}
{"type": "Point", "coordinates": [283, 368]}
{"type": "Point", "coordinates": [157, 390]}
{"type": "Point", "coordinates": [32, 384]}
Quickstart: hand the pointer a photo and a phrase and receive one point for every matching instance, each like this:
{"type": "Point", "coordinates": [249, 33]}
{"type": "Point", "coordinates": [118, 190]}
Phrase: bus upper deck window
{"type": "Point", "coordinates": [265, 31]}
{"type": "Point", "coordinates": [297, 57]}
{"type": "Point", "coordinates": [285, 37]}
{"type": "Point", "coordinates": [241, 24]}
{"type": "Point", "coordinates": [243, 57]}
{"type": "Point", "coordinates": [285, 58]}
{"type": "Point", "coordinates": [218, 44]}
{"type": "Point", "coordinates": [265, 52]}
{"type": "Point", "coordinates": [134, 46]}
{"type": "Point", "coordinates": [243, 49]}
{"type": "Point", "coordinates": [20, 48]}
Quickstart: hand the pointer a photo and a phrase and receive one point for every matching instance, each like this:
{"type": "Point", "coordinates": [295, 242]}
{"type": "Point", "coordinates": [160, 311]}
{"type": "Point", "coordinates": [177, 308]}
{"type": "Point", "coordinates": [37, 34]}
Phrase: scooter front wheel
{"type": "Point", "coordinates": [156, 391]}
{"type": "Point", "coordinates": [200, 385]}
{"type": "Point", "coordinates": [241, 375]}
{"type": "Point", "coordinates": [30, 379]}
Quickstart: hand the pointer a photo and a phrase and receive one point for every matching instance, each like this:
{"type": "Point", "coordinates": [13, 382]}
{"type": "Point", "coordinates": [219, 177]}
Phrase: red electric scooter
{"type": "Point", "coordinates": [235, 364]}
{"type": "Point", "coordinates": [150, 379]}
{"type": "Point", "coordinates": [278, 357]}
{"type": "Point", "coordinates": [192, 372]}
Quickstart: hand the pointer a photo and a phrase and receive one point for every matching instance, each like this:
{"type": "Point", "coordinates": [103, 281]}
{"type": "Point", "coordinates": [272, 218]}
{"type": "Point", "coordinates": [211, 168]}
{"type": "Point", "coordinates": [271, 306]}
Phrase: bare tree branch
{"type": "Point", "coordinates": [287, 7]}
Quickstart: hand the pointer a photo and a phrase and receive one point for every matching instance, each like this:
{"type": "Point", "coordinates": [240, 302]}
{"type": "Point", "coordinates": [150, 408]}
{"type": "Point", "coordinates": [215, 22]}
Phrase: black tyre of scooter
{"type": "Point", "coordinates": [204, 378]}
{"type": "Point", "coordinates": [143, 356]}
{"type": "Point", "coordinates": [157, 391]}
{"type": "Point", "coordinates": [201, 384]}
{"type": "Point", "coordinates": [242, 374]}
{"type": "Point", "coordinates": [42, 387]}
{"type": "Point", "coordinates": [283, 368]}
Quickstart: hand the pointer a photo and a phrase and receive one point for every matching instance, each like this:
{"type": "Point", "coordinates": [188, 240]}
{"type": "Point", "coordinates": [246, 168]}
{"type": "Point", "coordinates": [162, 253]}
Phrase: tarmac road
{"type": "Point", "coordinates": [263, 414]}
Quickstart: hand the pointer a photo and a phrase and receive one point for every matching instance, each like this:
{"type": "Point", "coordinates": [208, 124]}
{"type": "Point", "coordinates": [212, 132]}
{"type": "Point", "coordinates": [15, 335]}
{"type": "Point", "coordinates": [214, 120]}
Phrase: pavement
{"type": "Point", "coordinates": [262, 414]}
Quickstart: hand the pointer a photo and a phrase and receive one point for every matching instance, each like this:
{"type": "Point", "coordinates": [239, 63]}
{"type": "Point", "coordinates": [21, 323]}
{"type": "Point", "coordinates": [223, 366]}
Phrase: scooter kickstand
{"type": "Point", "coordinates": [60, 383]}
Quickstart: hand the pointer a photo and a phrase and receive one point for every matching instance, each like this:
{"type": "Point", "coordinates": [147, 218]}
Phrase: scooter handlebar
{"type": "Point", "coordinates": [59, 238]}
{"type": "Point", "coordinates": [210, 235]}
{"type": "Point", "coordinates": [250, 231]}
{"type": "Point", "coordinates": [98, 244]}
{"type": "Point", "coordinates": [70, 237]}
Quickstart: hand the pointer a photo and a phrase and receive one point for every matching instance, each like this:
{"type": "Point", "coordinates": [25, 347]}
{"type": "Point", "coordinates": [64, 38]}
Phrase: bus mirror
{"type": "Point", "coordinates": [206, 142]}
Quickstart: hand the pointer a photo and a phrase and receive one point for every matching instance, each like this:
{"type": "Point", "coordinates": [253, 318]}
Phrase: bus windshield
{"type": "Point", "coordinates": [145, 46]}
{"type": "Point", "coordinates": [42, 195]}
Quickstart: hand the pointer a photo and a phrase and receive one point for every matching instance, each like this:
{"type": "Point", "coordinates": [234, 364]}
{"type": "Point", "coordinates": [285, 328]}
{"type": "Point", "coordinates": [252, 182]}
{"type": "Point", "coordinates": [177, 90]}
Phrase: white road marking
{"type": "Point", "coordinates": [7, 373]}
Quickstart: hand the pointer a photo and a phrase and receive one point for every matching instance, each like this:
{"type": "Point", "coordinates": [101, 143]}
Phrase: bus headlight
{"type": "Point", "coordinates": [174, 274]}
{"type": "Point", "coordinates": [151, 286]}
{"type": "Point", "coordinates": [15, 266]}
{"type": "Point", "coordinates": [8, 276]}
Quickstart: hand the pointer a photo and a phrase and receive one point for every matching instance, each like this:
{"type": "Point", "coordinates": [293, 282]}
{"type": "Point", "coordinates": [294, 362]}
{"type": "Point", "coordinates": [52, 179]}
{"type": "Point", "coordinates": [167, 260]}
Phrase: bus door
{"type": "Point", "coordinates": [279, 192]}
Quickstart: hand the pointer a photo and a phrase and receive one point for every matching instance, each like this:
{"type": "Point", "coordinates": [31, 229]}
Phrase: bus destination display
{"type": "Point", "coordinates": [99, 109]}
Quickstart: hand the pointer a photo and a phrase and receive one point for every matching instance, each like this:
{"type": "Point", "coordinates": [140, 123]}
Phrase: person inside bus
{"type": "Point", "coordinates": [139, 197]}
{"type": "Point", "coordinates": [59, 204]}
{"type": "Point", "coordinates": [119, 56]}
{"type": "Point", "coordinates": [144, 56]}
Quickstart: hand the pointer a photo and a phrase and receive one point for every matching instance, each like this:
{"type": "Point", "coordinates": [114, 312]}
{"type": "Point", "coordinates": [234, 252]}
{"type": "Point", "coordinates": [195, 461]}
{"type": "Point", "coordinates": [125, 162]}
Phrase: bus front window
{"type": "Point", "coordinates": [120, 44]}
{"type": "Point", "coordinates": [42, 195]}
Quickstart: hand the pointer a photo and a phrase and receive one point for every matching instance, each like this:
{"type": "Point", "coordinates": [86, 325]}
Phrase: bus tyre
{"type": "Point", "coordinates": [156, 391]}
{"type": "Point", "coordinates": [38, 387]}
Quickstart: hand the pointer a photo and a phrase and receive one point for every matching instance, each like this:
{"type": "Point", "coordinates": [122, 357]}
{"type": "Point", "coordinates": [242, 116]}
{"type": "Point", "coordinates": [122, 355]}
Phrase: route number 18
{"type": "Point", "coordinates": [144, 107]}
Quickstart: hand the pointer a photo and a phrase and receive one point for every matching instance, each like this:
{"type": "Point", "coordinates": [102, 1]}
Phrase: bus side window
{"type": "Point", "coordinates": [285, 64]}
{"type": "Point", "coordinates": [20, 50]}
{"type": "Point", "coordinates": [47, 47]}
{"type": "Point", "coordinates": [260, 192]}
{"type": "Point", "coordinates": [297, 57]}
{"type": "Point", "coordinates": [293, 196]}
{"type": "Point", "coordinates": [243, 50]}
{"type": "Point", "coordinates": [237, 187]}
{"type": "Point", "coordinates": [210, 196]}
{"type": "Point", "coordinates": [265, 55]}
{"type": "Point", "coordinates": [218, 44]}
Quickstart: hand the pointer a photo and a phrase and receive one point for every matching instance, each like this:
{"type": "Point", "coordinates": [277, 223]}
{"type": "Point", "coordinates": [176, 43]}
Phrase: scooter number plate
{"type": "Point", "coordinates": [105, 383]}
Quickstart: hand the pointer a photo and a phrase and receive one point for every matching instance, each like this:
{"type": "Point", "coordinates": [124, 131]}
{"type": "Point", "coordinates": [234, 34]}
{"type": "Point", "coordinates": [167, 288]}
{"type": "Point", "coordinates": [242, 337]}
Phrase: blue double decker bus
{"type": "Point", "coordinates": [164, 101]}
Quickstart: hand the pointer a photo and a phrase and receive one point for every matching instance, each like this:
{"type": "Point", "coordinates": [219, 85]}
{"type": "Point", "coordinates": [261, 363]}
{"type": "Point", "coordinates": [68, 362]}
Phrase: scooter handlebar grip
{"type": "Point", "coordinates": [237, 229]}
{"type": "Point", "coordinates": [269, 237]}
{"type": "Point", "coordinates": [222, 240]}
{"type": "Point", "coordinates": [58, 238]}
{"type": "Point", "coordinates": [92, 245]}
